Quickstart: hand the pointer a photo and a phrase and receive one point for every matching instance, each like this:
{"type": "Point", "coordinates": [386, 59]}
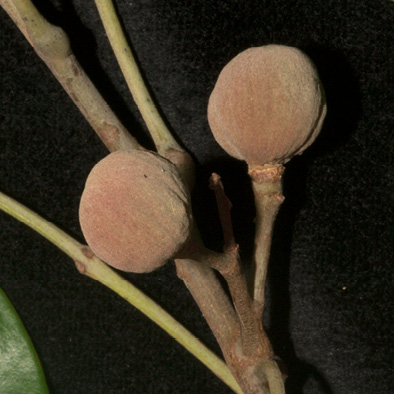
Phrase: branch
{"type": "Point", "coordinates": [230, 266]}
{"type": "Point", "coordinates": [162, 137]}
{"type": "Point", "coordinates": [254, 340]}
{"type": "Point", "coordinates": [208, 293]}
{"type": "Point", "coordinates": [52, 46]}
{"type": "Point", "coordinates": [251, 359]}
{"type": "Point", "coordinates": [255, 343]}
{"type": "Point", "coordinates": [224, 207]}
{"type": "Point", "coordinates": [267, 189]}
{"type": "Point", "coordinates": [165, 143]}
{"type": "Point", "coordinates": [88, 264]}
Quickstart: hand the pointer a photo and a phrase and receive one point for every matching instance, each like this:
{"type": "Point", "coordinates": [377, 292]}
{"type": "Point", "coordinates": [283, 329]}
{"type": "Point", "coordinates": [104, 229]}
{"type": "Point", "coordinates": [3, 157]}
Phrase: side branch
{"type": "Point", "coordinates": [213, 302]}
{"type": "Point", "coordinates": [224, 207]}
{"type": "Point", "coordinates": [161, 136]}
{"type": "Point", "coordinates": [254, 340]}
{"type": "Point", "coordinates": [165, 143]}
{"type": "Point", "coordinates": [52, 46]}
{"type": "Point", "coordinates": [249, 353]}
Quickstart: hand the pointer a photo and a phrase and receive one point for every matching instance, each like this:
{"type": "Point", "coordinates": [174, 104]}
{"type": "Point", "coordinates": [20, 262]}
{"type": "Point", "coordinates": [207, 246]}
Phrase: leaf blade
{"type": "Point", "coordinates": [20, 368]}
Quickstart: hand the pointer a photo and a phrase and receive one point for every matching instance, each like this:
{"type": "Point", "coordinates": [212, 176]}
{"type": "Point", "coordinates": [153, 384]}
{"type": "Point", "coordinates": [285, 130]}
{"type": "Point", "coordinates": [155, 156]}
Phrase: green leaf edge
{"type": "Point", "coordinates": [17, 351]}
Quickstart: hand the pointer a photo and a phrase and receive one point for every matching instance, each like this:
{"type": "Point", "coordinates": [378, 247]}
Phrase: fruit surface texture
{"type": "Point", "coordinates": [267, 105]}
{"type": "Point", "coordinates": [135, 210]}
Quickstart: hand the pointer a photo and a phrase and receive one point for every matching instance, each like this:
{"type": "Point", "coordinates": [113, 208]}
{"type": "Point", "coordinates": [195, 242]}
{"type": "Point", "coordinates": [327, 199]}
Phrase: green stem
{"type": "Point", "coordinates": [274, 377]}
{"type": "Point", "coordinates": [161, 136]}
{"type": "Point", "coordinates": [90, 265]}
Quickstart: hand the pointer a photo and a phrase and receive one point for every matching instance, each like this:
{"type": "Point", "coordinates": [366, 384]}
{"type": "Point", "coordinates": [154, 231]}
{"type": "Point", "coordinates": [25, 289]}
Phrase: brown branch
{"type": "Point", "coordinates": [244, 343]}
{"type": "Point", "coordinates": [224, 207]}
{"type": "Point", "coordinates": [229, 266]}
{"type": "Point", "coordinates": [52, 46]}
{"type": "Point", "coordinates": [209, 295]}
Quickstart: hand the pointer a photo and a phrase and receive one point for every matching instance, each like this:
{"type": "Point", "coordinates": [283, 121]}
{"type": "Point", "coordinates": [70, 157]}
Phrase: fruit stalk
{"type": "Point", "coordinates": [267, 190]}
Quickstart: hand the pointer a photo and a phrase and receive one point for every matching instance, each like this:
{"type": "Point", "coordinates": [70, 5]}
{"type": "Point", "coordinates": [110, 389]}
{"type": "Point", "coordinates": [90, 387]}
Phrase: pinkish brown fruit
{"type": "Point", "coordinates": [135, 210]}
{"type": "Point", "coordinates": [267, 105]}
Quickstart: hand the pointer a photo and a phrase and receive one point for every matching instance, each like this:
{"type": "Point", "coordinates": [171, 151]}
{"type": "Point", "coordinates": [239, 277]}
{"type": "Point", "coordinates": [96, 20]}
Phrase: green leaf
{"type": "Point", "coordinates": [20, 369]}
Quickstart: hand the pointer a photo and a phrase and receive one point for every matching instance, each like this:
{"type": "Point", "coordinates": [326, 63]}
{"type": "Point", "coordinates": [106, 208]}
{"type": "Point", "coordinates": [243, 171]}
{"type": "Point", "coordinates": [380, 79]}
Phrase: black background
{"type": "Point", "coordinates": [331, 277]}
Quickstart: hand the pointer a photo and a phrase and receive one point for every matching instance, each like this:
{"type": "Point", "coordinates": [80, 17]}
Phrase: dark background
{"type": "Point", "coordinates": [331, 276]}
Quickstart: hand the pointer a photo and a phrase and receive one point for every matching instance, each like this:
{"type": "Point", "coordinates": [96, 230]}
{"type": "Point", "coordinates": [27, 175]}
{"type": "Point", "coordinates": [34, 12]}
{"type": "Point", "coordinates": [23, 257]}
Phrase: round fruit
{"type": "Point", "coordinates": [135, 210]}
{"type": "Point", "coordinates": [267, 105]}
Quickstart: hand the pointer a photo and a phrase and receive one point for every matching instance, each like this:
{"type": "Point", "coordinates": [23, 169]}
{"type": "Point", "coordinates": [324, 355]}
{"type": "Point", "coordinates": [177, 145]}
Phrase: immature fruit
{"type": "Point", "coordinates": [135, 210]}
{"type": "Point", "coordinates": [267, 105]}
